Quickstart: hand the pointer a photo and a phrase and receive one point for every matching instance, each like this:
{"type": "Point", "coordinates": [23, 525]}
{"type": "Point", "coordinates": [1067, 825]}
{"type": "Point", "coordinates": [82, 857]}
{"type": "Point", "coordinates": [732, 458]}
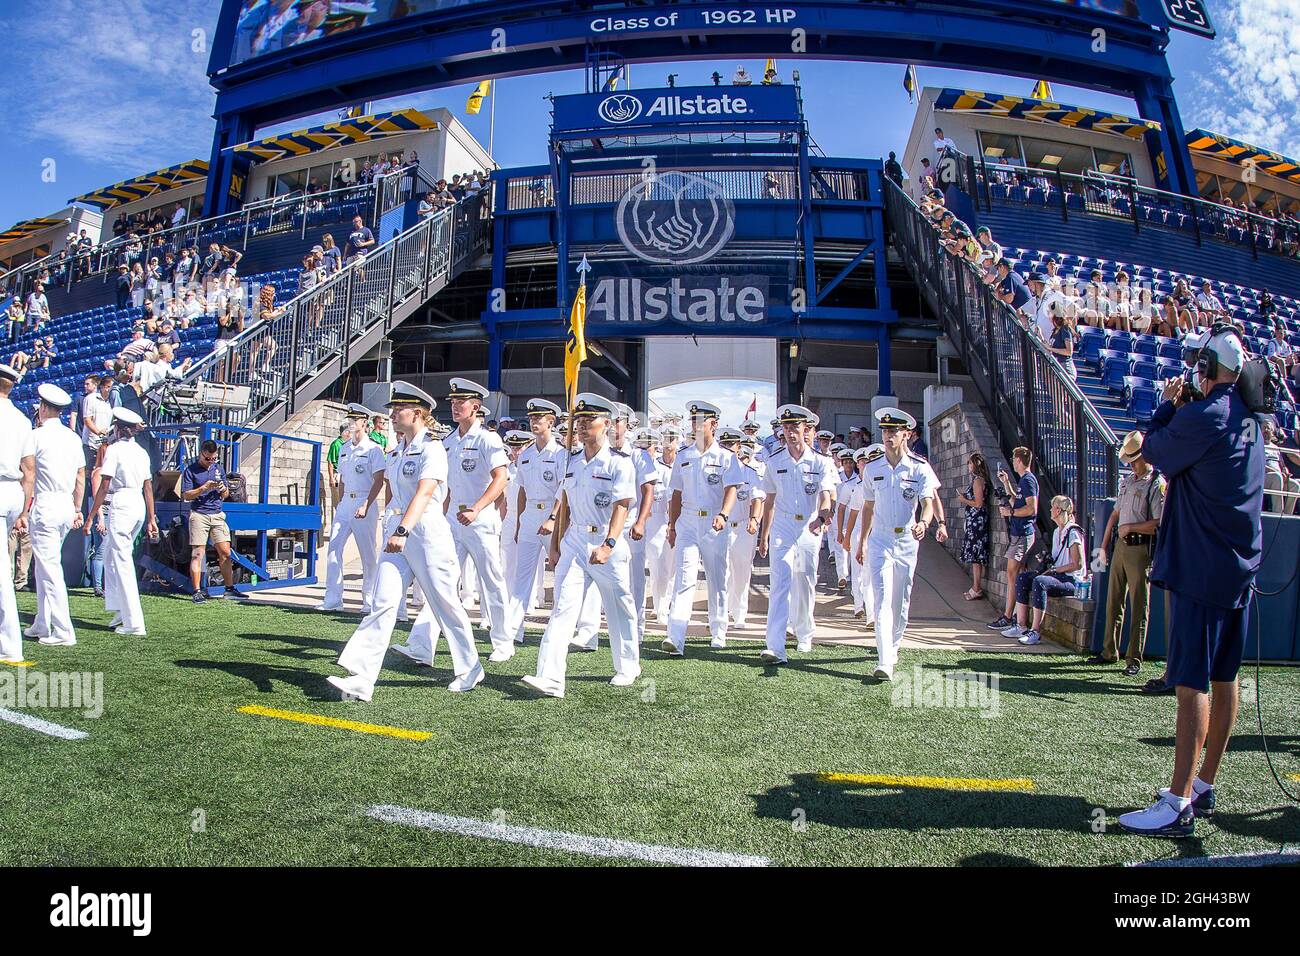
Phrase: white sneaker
{"type": "Point", "coordinates": [33, 633]}
{"type": "Point", "coordinates": [407, 651]}
{"type": "Point", "coordinates": [350, 689]}
{"type": "Point", "coordinates": [668, 647]}
{"type": "Point", "coordinates": [116, 622]}
{"type": "Point", "coordinates": [519, 641]}
{"type": "Point", "coordinates": [884, 673]}
{"type": "Point", "coordinates": [322, 606]}
{"type": "Point", "coordinates": [473, 677]}
{"type": "Point", "coordinates": [718, 643]}
{"type": "Point", "coordinates": [12, 660]}
{"type": "Point", "coordinates": [51, 641]}
{"type": "Point", "coordinates": [541, 686]}
{"type": "Point", "coordinates": [1031, 637]}
{"type": "Point", "coordinates": [804, 647]}
{"type": "Point", "coordinates": [1161, 819]}
{"type": "Point", "coordinates": [1015, 630]}
{"type": "Point", "coordinates": [740, 625]}
{"type": "Point", "coordinates": [767, 657]}
{"type": "Point", "coordinates": [584, 648]}
{"type": "Point", "coordinates": [624, 680]}
{"type": "Point", "coordinates": [499, 656]}
{"type": "Point", "coordinates": [128, 631]}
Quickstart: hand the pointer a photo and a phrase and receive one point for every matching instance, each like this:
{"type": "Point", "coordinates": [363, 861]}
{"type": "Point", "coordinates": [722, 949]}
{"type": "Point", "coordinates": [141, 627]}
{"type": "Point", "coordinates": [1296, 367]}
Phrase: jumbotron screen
{"type": "Point", "coordinates": [267, 26]}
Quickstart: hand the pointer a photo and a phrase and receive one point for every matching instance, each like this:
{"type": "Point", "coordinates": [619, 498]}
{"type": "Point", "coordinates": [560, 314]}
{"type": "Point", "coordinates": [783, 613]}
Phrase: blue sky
{"type": "Point", "coordinates": [113, 88]}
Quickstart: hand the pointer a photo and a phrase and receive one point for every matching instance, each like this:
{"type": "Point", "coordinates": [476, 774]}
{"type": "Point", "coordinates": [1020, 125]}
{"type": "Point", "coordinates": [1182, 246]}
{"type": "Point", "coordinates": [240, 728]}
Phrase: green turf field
{"type": "Point", "coordinates": [716, 753]}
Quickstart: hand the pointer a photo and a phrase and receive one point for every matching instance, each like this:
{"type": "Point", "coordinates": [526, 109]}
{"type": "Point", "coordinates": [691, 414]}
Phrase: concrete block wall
{"type": "Point", "coordinates": [955, 434]}
{"type": "Point", "coordinates": [291, 460]}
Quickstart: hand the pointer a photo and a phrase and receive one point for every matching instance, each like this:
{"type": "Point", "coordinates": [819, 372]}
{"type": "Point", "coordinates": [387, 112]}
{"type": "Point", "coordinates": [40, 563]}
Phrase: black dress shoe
{"type": "Point", "coordinates": [1132, 670]}
{"type": "Point", "coordinates": [1098, 659]}
{"type": "Point", "coordinates": [1157, 685]}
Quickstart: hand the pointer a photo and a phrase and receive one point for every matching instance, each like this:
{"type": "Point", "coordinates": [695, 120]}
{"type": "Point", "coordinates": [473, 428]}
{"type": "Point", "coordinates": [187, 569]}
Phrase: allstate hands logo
{"type": "Point", "coordinates": [676, 218]}
{"type": "Point", "coordinates": [619, 108]}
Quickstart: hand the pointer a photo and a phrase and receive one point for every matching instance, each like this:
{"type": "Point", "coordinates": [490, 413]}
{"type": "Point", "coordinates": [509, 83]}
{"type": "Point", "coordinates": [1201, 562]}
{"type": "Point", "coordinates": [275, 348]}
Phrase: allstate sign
{"type": "Point", "coordinates": [675, 218]}
{"type": "Point", "coordinates": [717, 105]}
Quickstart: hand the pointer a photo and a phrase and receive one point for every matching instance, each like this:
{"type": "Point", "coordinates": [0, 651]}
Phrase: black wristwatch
{"type": "Point", "coordinates": [611, 543]}
{"type": "Point", "coordinates": [401, 531]}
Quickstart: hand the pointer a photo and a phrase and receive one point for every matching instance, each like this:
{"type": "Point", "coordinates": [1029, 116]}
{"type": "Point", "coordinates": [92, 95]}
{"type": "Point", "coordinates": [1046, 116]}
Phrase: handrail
{"type": "Point", "coordinates": [316, 328]}
{"type": "Point", "coordinates": [1032, 399]}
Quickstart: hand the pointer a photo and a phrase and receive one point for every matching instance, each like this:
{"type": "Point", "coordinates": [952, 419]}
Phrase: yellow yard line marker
{"type": "Point", "coordinates": [929, 783]}
{"type": "Point", "coordinates": [19, 663]}
{"type": "Point", "coordinates": [1295, 776]}
{"type": "Point", "coordinates": [320, 721]}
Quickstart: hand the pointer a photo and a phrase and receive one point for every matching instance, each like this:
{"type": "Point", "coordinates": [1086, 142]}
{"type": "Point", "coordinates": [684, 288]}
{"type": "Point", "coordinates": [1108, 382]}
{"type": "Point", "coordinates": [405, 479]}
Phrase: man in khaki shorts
{"type": "Point", "coordinates": [204, 486]}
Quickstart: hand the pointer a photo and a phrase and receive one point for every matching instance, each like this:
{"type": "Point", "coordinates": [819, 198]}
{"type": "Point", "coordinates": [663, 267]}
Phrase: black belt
{"type": "Point", "coordinates": [1139, 539]}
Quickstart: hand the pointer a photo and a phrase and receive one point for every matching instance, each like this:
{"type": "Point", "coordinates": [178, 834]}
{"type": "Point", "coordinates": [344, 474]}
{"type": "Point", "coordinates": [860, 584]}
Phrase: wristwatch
{"type": "Point", "coordinates": [611, 542]}
{"type": "Point", "coordinates": [401, 531]}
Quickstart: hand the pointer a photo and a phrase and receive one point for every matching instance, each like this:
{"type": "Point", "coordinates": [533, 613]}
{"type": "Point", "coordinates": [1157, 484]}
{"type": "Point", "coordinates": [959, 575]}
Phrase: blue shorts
{"type": "Point", "coordinates": [1205, 643]}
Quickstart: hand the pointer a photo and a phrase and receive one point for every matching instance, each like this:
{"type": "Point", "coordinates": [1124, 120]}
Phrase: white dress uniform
{"type": "Point", "coordinates": [126, 467]}
{"type": "Point", "coordinates": [541, 469]}
{"type": "Point", "coordinates": [857, 571]}
{"type": "Point", "coordinates": [16, 445]}
{"type": "Point", "coordinates": [428, 556]}
{"type": "Point", "coordinates": [471, 459]}
{"type": "Point", "coordinates": [740, 547]}
{"type": "Point", "coordinates": [896, 493]}
{"type": "Point", "coordinates": [841, 497]}
{"type": "Point", "coordinates": [59, 457]}
{"type": "Point", "coordinates": [359, 462]}
{"type": "Point", "coordinates": [659, 557]}
{"type": "Point", "coordinates": [644, 472]}
{"type": "Point", "coordinates": [793, 548]}
{"type": "Point", "coordinates": [702, 477]}
{"type": "Point", "coordinates": [592, 487]}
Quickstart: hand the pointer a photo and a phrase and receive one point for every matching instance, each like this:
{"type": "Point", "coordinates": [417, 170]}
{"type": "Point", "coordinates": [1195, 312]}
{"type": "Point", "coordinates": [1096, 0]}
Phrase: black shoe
{"type": "Point", "coordinates": [231, 594]}
{"type": "Point", "coordinates": [1098, 659]}
{"type": "Point", "coordinates": [1157, 685]}
{"type": "Point", "coordinates": [1001, 624]}
{"type": "Point", "coordinates": [99, 592]}
{"type": "Point", "coordinates": [1132, 670]}
{"type": "Point", "coordinates": [199, 597]}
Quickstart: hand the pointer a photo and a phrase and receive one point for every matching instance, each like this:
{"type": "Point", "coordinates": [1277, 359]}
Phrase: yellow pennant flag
{"type": "Point", "coordinates": [769, 70]}
{"type": "Point", "coordinates": [575, 346]}
{"type": "Point", "coordinates": [475, 101]}
{"type": "Point", "coordinates": [1042, 90]}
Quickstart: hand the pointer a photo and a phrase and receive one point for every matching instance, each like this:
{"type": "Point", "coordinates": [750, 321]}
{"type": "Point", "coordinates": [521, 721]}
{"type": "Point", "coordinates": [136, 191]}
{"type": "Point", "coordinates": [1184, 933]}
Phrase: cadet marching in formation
{"type": "Point", "coordinates": [627, 517]}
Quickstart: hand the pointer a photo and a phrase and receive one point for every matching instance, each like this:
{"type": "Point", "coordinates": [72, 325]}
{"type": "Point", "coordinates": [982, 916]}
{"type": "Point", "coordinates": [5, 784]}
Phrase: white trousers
{"type": "Point", "coordinates": [481, 542]}
{"type": "Point", "coordinates": [636, 570]}
{"type": "Point", "coordinates": [111, 601]}
{"type": "Point", "coordinates": [121, 529]}
{"type": "Point", "coordinates": [50, 522]}
{"type": "Point", "coordinates": [11, 635]}
{"type": "Point", "coordinates": [698, 544]}
{"type": "Point", "coordinates": [347, 525]}
{"type": "Point", "coordinates": [575, 577]}
{"type": "Point", "coordinates": [890, 565]}
{"type": "Point", "coordinates": [858, 581]}
{"type": "Point", "coordinates": [588, 629]}
{"type": "Point", "coordinates": [529, 563]}
{"type": "Point", "coordinates": [841, 556]}
{"type": "Point", "coordinates": [741, 558]}
{"type": "Point", "coordinates": [793, 553]}
{"type": "Point", "coordinates": [428, 556]}
{"type": "Point", "coordinates": [659, 562]}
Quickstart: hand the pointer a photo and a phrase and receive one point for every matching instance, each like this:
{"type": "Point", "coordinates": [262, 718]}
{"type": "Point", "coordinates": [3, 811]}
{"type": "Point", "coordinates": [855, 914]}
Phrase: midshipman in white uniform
{"type": "Point", "coordinates": [541, 469]}
{"type": "Point", "coordinates": [799, 484]}
{"type": "Point", "coordinates": [476, 467]}
{"type": "Point", "coordinates": [360, 459]}
{"type": "Point", "coordinates": [855, 538]}
{"type": "Point", "coordinates": [421, 546]}
{"type": "Point", "coordinates": [598, 486]}
{"type": "Point", "coordinates": [660, 558]}
{"type": "Point", "coordinates": [898, 491]}
{"type": "Point", "coordinates": [703, 484]}
{"type": "Point", "coordinates": [17, 479]}
{"type": "Point", "coordinates": [55, 510]}
{"type": "Point", "coordinates": [127, 477]}
{"type": "Point", "coordinates": [742, 530]}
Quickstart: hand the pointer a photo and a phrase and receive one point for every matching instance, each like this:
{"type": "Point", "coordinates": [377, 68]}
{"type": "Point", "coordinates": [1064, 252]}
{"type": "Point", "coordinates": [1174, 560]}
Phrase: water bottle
{"type": "Point", "coordinates": [1085, 590]}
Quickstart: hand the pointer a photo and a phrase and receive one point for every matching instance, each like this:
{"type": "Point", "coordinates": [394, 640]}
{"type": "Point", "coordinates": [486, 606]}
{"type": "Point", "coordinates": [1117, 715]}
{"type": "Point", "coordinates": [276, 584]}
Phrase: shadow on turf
{"type": "Point", "coordinates": [1041, 676]}
{"type": "Point", "coordinates": [869, 807]}
{"type": "Point", "coordinates": [1245, 743]}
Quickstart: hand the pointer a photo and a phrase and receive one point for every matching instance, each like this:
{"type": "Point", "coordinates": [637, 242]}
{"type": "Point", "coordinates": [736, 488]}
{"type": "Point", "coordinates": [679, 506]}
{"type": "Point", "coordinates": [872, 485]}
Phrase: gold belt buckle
{"type": "Point", "coordinates": [460, 508]}
{"type": "Point", "coordinates": [539, 505]}
{"type": "Point", "coordinates": [899, 530]}
{"type": "Point", "coordinates": [702, 514]}
{"type": "Point", "coordinates": [799, 517]}
{"type": "Point", "coordinates": [591, 528]}
{"type": "Point", "coordinates": [735, 524]}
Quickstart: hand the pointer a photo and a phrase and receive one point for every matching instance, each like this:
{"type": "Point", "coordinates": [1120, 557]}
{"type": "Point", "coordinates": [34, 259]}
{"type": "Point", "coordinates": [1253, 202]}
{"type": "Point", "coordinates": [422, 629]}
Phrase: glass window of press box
{"type": "Point", "coordinates": [1053, 156]}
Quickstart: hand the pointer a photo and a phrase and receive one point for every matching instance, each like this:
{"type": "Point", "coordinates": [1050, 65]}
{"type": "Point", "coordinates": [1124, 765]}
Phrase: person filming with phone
{"type": "Point", "coordinates": [205, 486]}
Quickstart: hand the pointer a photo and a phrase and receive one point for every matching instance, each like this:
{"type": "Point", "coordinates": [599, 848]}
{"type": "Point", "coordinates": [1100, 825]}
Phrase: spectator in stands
{"type": "Point", "coordinates": [187, 269]}
{"type": "Point", "coordinates": [137, 348]}
{"type": "Point", "coordinates": [1019, 505]}
{"type": "Point", "coordinates": [893, 169]}
{"type": "Point", "coordinates": [331, 255]}
{"type": "Point", "coordinates": [1066, 569]}
{"type": "Point", "coordinates": [17, 319]}
{"type": "Point", "coordinates": [123, 286]}
{"type": "Point", "coordinates": [444, 197]}
{"type": "Point", "coordinates": [1094, 302]}
{"type": "Point", "coordinates": [1209, 306]}
{"type": "Point", "coordinates": [191, 309]}
{"type": "Point", "coordinates": [1010, 287]}
{"type": "Point", "coordinates": [167, 334]}
{"type": "Point", "coordinates": [1052, 274]}
{"type": "Point", "coordinates": [1061, 342]}
{"type": "Point", "coordinates": [360, 241]}
{"type": "Point", "coordinates": [1277, 477]}
{"type": "Point", "coordinates": [1279, 351]}
{"type": "Point", "coordinates": [990, 251]}
{"type": "Point", "coordinates": [1044, 303]}
{"type": "Point", "coordinates": [428, 206]}
{"type": "Point", "coordinates": [159, 368]}
{"type": "Point", "coordinates": [942, 143]}
{"type": "Point", "coordinates": [44, 352]}
{"type": "Point", "coordinates": [264, 348]}
{"type": "Point", "coordinates": [178, 216]}
{"type": "Point", "coordinates": [96, 417]}
{"type": "Point", "coordinates": [212, 264]}
{"type": "Point", "coordinates": [1170, 322]}
{"type": "Point", "coordinates": [975, 536]}
{"type": "Point", "coordinates": [19, 361]}
{"type": "Point", "coordinates": [37, 307]}
{"type": "Point", "coordinates": [741, 77]}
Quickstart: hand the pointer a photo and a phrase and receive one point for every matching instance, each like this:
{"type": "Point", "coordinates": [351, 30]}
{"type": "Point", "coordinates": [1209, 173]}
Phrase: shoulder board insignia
{"type": "Point", "coordinates": [621, 454]}
{"type": "Point", "coordinates": [915, 456]}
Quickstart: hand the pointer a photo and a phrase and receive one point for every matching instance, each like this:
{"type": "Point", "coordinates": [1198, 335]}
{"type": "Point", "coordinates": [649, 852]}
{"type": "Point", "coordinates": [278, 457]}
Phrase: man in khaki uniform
{"type": "Point", "coordinates": [1136, 516]}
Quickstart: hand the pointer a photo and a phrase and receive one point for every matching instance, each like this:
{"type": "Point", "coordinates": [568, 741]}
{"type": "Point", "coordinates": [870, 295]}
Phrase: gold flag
{"type": "Point", "coordinates": [575, 346]}
{"type": "Point", "coordinates": [475, 101]}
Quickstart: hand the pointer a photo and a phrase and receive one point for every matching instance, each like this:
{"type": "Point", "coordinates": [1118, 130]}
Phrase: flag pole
{"type": "Point", "coordinates": [492, 124]}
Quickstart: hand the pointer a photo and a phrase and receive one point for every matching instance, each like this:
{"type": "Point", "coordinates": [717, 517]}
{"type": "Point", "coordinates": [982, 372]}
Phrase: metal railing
{"type": "Point", "coordinates": [1120, 198]}
{"type": "Point", "coordinates": [1033, 400]}
{"type": "Point", "coordinates": [317, 328]}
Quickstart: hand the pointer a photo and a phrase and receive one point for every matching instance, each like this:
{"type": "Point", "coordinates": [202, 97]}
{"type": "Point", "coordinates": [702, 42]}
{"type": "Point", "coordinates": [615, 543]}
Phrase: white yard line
{"type": "Point", "coordinates": [559, 840]}
{"type": "Point", "coordinates": [41, 726]}
{"type": "Point", "coordinates": [1269, 858]}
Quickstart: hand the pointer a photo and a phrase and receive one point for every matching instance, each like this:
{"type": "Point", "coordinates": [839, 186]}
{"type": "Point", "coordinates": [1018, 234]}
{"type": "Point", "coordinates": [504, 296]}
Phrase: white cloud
{"type": "Point", "coordinates": [1251, 90]}
{"type": "Point", "coordinates": [114, 83]}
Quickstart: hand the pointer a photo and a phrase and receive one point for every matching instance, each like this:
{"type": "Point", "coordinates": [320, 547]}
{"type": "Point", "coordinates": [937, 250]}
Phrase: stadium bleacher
{"type": "Point", "coordinates": [1119, 371]}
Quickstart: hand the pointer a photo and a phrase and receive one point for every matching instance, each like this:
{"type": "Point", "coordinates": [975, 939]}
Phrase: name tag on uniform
{"type": "Point", "coordinates": [780, 471]}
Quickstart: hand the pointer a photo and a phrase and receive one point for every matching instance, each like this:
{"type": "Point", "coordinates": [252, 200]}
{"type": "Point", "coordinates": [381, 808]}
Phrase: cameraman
{"type": "Point", "coordinates": [1206, 556]}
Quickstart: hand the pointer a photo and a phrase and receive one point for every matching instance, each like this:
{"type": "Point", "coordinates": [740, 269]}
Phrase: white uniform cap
{"type": "Point", "coordinates": [11, 373]}
{"type": "Point", "coordinates": [540, 406]}
{"type": "Point", "coordinates": [404, 393]}
{"type": "Point", "coordinates": [359, 411]}
{"type": "Point", "coordinates": [591, 405]}
{"type": "Point", "coordinates": [669, 432]}
{"type": "Point", "coordinates": [824, 433]}
{"type": "Point", "coordinates": [787, 414]}
{"type": "Point", "coordinates": [517, 437]}
{"type": "Point", "coordinates": [51, 394]}
{"type": "Point", "coordinates": [894, 418]}
{"type": "Point", "coordinates": [707, 409]}
{"type": "Point", "coordinates": [646, 436]}
{"type": "Point", "coordinates": [464, 388]}
{"type": "Point", "coordinates": [731, 434]}
{"type": "Point", "coordinates": [127, 417]}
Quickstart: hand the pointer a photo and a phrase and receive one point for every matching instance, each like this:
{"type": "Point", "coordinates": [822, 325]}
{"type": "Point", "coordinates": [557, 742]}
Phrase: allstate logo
{"type": "Point", "coordinates": [619, 109]}
{"type": "Point", "coordinates": [676, 218]}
